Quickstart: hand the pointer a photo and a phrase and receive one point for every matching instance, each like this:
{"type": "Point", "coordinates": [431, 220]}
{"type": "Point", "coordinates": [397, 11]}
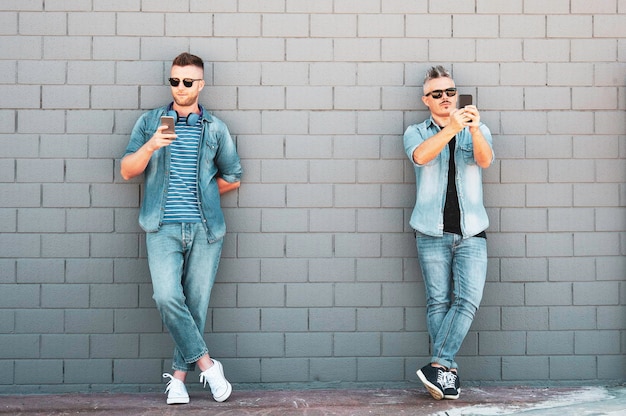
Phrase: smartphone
{"type": "Point", "coordinates": [169, 122]}
{"type": "Point", "coordinates": [465, 99]}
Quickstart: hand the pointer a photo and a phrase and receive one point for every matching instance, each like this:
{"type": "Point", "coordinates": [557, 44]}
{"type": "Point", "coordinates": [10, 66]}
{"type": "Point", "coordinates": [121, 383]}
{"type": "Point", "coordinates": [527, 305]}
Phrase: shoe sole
{"type": "Point", "coordinates": [432, 389]}
{"type": "Point", "coordinates": [226, 395]}
{"type": "Point", "coordinates": [451, 396]}
{"type": "Point", "coordinates": [178, 400]}
{"type": "Point", "coordinates": [229, 388]}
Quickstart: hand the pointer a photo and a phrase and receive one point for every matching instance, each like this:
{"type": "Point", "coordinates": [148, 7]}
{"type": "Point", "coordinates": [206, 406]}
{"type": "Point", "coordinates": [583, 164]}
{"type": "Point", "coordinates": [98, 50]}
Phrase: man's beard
{"type": "Point", "coordinates": [185, 101]}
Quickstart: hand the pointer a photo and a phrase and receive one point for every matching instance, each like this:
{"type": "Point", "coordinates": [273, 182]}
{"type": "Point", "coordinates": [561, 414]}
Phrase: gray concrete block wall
{"type": "Point", "coordinates": [319, 280]}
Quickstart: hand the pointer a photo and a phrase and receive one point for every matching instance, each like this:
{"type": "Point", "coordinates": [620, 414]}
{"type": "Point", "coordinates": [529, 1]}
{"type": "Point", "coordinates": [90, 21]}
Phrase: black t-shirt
{"type": "Point", "coordinates": [451, 210]}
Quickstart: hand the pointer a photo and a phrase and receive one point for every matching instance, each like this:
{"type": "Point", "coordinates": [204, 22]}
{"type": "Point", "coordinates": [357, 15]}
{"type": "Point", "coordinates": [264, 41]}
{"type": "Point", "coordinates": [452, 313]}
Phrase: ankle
{"type": "Point", "coordinates": [205, 362]}
{"type": "Point", "coordinates": [180, 375]}
{"type": "Point", "coordinates": [437, 365]}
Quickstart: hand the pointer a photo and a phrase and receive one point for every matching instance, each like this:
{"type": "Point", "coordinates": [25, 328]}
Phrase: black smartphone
{"type": "Point", "coordinates": [465, 99]}
{"type": "Point", "coordinates": [169, 122]}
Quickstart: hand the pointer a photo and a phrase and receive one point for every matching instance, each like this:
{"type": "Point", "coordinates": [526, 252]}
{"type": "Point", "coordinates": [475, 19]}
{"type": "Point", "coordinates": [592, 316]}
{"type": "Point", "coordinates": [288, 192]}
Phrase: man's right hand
{"type": "Point", "coordinates": [135, 163]}
{"type": "Point", "coordinates": [458, 120]}
{"type": "Point", "coordinates": [160, 139]}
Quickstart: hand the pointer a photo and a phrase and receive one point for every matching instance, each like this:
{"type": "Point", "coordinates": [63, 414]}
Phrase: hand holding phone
{"type": "Point", "coordinates": [165, 134]}
{"type": "Point", "coordinates": [169, 122]}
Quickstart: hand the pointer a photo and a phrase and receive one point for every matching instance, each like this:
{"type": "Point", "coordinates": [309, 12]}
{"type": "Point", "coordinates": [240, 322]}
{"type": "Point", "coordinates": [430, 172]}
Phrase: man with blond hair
{"type": "Point", "coordinates": [185, 173]}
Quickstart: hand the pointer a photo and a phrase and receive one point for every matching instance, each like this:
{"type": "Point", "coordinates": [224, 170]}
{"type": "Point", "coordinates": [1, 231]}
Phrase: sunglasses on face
{"type": "Point", "coordinates": [187, 82]}
{"type": "Point", "coordinates": [437, 94]}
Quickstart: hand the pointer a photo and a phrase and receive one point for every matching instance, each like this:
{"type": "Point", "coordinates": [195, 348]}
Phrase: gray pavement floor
{"type": "Point", "coordinates": [474, 401]}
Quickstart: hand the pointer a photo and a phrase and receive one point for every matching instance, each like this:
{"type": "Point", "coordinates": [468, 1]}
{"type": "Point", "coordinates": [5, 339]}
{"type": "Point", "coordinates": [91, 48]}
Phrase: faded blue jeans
{"type": "Point", "coordinates": [454, 271]}
{"type": "Point", "coordinates": [183, 265]}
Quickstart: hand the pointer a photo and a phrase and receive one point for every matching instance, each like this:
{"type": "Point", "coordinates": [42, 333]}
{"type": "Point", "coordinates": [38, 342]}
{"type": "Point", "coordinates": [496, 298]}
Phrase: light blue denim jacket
{"type": "Point", "coordinates": [217, 156]}
{"type": "Point", "coordinates": [431, 181]}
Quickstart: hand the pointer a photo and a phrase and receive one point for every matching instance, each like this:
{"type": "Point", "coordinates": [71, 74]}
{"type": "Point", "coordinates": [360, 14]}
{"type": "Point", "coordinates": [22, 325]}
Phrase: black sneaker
{"type": "Point", "coordinates": [451, 385]}
{"type": "Point", "coordinates": [433, 377]}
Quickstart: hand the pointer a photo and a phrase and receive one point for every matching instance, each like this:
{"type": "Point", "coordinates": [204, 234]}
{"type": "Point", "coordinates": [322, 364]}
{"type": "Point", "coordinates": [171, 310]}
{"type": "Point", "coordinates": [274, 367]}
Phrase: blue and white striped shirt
{"type": "Point", "coordinates": [182, 197]}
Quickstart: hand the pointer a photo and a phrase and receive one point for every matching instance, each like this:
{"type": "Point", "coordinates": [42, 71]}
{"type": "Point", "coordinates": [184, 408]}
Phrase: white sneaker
{"type": "Point", "coordinates": [220, 387]}
{"type": "Point", "coordinates": [176, 390]}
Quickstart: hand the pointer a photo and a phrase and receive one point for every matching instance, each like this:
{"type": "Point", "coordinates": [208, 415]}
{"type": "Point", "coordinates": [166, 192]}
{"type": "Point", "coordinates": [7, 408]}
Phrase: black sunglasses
{"type": "Point", "coordinates": [187, 82]}
{"type": "Point", "coordinates": [437, 94]}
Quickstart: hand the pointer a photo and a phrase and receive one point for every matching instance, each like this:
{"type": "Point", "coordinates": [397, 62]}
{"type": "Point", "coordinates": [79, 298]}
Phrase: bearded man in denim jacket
{"type": "Point", "coordinates": [448, 152]}
{"type": "Point", "coordinates": [185, 173]}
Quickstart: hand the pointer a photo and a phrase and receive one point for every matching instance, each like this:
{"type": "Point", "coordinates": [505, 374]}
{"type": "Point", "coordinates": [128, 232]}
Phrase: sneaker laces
{"type": "Point", "coordinates": [448, 380]}
{"type": "Point", "coordinates": [440, 375]}
{"type": "Point", "coordinates": [173, 384]}
{"type": "Point", "coordinates": [206, 378]}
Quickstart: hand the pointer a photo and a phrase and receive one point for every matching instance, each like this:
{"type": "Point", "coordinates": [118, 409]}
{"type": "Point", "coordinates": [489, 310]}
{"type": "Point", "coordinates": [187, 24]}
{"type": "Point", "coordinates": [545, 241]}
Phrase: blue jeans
{"type": "Point", "coordinates": [183, 265]}
{"type": "Point", "coordinates": [454, 271]}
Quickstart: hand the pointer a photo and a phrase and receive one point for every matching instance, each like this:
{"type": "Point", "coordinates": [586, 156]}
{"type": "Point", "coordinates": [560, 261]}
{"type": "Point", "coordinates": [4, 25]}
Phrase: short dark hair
{"type": "Point", "coordinates": [436, 72]}
{"type": "Point", "coordinates": [186, 59]}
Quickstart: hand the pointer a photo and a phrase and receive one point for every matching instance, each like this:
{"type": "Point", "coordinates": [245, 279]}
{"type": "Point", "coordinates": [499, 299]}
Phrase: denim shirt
{"type": "Point", "coordinates": [431, 180]}
{"type": "Point", "coordinates": [217, 156]}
